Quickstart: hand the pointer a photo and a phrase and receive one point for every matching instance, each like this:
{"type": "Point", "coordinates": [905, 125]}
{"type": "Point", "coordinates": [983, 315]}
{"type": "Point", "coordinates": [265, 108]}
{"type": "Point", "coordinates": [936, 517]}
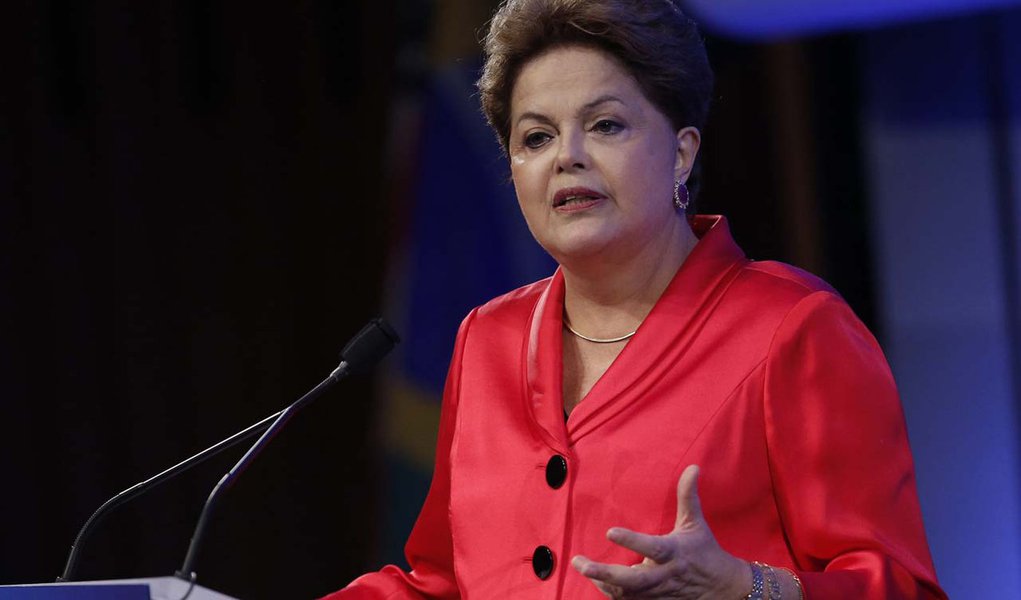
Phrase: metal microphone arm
{"type": "Point", "coordinates": [138, 488]}
{"type": "Point", "coordinates": [186, 571]}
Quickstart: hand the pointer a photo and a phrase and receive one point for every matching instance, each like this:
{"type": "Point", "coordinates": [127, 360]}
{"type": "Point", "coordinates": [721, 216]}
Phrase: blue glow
{"type": "Point", "coordinates": [778, 18]}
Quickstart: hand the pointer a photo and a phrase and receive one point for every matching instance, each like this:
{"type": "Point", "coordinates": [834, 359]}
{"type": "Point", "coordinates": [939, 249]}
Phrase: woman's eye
{"type": "Point", "coordinates": [606, 126]}
{"type": "Point", "coordinates": [536, 139]}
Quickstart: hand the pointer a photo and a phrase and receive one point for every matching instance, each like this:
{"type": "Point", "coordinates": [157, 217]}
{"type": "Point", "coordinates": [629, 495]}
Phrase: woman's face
{"type": "Point", "coordinates": [593, 161]}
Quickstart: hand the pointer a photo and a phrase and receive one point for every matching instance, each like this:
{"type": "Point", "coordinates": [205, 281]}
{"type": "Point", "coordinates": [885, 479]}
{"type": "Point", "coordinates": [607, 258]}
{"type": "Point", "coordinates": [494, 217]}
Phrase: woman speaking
{"type": "Point", "coordinates": [577, 407]}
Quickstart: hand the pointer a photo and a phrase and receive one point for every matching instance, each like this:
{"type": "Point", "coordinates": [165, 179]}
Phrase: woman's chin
{"type": "Point", "coordinates": [578, 246]}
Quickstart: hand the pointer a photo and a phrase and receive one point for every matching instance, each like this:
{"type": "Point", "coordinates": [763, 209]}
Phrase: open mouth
{"type": "Point", "coordinates": [575, 197]}
{"type": "Point", "coordinates": [571, 200]}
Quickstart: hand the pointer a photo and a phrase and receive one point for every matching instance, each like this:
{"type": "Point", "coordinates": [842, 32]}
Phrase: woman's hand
{"type": "Point", "coordinates": [685, 563]}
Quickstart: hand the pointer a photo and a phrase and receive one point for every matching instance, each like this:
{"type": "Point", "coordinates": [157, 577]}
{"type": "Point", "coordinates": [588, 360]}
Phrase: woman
{"type": "Point", "coordinates": [576, 407]}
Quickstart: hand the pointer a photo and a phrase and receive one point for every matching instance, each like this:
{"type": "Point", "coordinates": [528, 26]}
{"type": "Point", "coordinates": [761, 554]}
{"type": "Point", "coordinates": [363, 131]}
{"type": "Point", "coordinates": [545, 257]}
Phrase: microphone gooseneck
{"type": "Point", "coordinates": [371, 344]}
{"type": "Point", "coordinates": [144, 486]}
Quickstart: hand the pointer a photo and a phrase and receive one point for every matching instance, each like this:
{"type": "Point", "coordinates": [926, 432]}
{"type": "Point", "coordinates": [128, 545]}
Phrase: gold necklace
{"type": "Point", "coordinates": [599, 340]}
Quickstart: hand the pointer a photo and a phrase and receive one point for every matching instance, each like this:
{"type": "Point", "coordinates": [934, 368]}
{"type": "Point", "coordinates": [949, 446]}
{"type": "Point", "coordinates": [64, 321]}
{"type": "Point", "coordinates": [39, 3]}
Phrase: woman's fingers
{"type": "Point", "coordinates": [615, 578]}
{"type": "Point", "coordinates": [685, 562]}
{"type": "Point", "coordinates": [656, 548]}
{"type": "Point", "coordinates": [689, 507]}
{"type": "Point", "coordinates": [662, 549]}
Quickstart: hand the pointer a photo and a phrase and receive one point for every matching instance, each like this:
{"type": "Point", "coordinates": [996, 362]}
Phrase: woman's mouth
{"type": "Point", "coordinates": [574, 199]}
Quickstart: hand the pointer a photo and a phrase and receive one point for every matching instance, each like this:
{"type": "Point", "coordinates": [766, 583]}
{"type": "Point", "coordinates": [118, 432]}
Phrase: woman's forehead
{"type": "Point", "coordinates": [573, 78]}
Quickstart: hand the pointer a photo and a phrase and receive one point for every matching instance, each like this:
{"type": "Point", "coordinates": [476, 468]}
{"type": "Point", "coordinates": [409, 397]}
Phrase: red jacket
{"type": "Point", "coordinates": [756, 371]}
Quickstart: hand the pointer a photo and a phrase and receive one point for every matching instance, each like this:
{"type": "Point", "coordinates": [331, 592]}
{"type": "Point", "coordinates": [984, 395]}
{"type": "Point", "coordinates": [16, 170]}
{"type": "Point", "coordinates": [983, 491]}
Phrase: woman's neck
{"type": "Point", "coordinates": [608, 296]}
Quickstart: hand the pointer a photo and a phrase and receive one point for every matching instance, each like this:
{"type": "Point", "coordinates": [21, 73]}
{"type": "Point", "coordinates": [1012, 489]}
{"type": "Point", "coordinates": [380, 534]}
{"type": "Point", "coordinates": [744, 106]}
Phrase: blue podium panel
{"type": "Point", "coordinates": [138, 591]}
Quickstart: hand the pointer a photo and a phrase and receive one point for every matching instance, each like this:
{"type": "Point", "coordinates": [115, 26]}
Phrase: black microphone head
{"type": "Point", "coordinates": [371, 344]}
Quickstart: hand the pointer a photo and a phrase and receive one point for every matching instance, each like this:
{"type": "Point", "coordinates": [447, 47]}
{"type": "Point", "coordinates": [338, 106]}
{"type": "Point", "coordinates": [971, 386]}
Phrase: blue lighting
{"type": "Point", "coordinates": [779, 18]}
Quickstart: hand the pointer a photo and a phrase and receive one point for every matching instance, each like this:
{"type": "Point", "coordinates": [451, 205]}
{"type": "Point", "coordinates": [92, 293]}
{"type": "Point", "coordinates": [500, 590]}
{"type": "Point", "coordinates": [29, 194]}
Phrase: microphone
{"type": "Point", "coordinates": [371, 344]}
{"type": "Point", "coordinates": [366, 348]}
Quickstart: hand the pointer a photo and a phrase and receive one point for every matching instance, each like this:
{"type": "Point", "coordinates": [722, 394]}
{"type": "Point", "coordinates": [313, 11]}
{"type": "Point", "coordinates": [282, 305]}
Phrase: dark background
{"type": "Point", "coordinates": [198, 201]}
{"type": "Point", "coordinates": [194, 221]}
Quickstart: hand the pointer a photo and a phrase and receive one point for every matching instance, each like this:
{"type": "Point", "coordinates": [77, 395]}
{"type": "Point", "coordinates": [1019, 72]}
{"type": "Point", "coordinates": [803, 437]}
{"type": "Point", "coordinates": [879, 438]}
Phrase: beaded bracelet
{"type": "Point", "coordinates": [771, 580]}
{"type": "Point", "coordinates": [757, 584]}
{"type": "Point", "coordinates": [797, 582]}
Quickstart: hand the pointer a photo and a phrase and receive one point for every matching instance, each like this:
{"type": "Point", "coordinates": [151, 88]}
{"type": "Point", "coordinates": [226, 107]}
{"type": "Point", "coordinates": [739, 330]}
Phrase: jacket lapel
{"type": "Point", "coordinates": [543, 363]}
{"type": "Point", "coordinates": [656, 349]}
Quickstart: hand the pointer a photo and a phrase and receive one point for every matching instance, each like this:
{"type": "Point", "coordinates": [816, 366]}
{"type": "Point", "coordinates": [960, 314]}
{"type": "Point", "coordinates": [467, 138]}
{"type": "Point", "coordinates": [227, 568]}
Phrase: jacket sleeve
{"type": "Point", "coordinates": [430, 548]}
{"type": "Point", "coordinates": [840, 460]}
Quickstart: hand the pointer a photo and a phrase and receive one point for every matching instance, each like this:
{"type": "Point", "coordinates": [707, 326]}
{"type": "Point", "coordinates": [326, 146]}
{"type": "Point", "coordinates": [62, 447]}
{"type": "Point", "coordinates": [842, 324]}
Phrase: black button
{"type": "Point", "coordinates": [542, 562]}
{"type": "Point", "coordinates": [556, 471]}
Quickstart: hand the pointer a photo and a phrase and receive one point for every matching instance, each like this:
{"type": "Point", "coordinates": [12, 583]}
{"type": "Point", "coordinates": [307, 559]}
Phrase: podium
{"type": "Point", "coordinates": [154, 588]}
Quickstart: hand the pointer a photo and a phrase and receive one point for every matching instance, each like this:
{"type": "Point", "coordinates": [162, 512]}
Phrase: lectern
{"type": "Point", "coordinates": [155, 588]}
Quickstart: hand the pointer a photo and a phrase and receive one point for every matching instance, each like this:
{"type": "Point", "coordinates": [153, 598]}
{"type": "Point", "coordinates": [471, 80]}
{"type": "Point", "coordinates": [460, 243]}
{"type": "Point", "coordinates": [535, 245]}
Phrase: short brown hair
{"type": "Point", "coordinates": [660, 46]}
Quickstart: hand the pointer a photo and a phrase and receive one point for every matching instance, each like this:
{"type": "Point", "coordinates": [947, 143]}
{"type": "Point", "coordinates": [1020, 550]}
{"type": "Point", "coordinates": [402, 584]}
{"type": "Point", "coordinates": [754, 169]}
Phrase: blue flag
{"type": "Point", "coordinates": [466, 242]}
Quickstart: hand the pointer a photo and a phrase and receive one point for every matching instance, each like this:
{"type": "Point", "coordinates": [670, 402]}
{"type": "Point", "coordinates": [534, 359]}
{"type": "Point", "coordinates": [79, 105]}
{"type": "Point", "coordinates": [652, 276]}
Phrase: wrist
{"type": "Point", "coordinates": [752, 582]}
{"type": "Point", "coordinates": [791, 579]}
{"type": "Point", "coordinates": [773, 589]}
{"type": "Point", "coordinates": [772, 583]}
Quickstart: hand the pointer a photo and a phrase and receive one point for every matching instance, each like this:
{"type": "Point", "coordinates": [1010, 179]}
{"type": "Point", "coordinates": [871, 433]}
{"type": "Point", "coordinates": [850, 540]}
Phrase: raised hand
{"type": "Point", "coordinates": [685, 563]}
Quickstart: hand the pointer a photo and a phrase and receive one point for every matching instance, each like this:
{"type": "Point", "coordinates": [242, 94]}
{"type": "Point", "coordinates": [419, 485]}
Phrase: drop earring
{"type": "Point", "coordinates": [681, 198]}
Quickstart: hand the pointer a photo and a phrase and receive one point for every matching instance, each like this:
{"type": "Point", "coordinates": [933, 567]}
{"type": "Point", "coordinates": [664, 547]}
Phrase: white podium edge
{"type": "Point", "coordinates": [160, 588]}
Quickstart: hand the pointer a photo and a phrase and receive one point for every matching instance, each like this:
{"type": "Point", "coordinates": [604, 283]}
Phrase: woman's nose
{"type": "Point", "coordinates": [572, 155]}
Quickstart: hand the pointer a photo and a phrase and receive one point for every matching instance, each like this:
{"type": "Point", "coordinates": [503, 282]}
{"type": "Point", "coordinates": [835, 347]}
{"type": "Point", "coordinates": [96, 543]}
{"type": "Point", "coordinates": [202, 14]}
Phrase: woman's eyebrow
{"type": "Point", "coordinates": [602, 100]}
{"type": "Point", "coordinates": [588, 106]}
{"type": "Point", "coordinates": [534, 116]}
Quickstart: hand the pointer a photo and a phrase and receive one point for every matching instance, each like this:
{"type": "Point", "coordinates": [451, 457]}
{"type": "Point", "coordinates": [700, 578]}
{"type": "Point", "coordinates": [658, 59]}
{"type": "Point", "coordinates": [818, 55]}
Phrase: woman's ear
{"type": "Point", "coordinates": [688, 141]}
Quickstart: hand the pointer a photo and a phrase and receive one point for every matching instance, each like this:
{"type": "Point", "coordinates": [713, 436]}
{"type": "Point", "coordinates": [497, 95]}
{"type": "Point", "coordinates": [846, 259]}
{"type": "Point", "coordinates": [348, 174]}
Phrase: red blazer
{"type": "Point", "coordinates": [756, 371]}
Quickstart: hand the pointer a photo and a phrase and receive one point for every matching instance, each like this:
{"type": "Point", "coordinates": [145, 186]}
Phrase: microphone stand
{"type": "Point", "coordinates": [368, 346]}
{"type": "Point", "coordinates": [186, 571]}
{"type": "Point", "coordinates": [141, 487]}
{"type": "Point", "coordinates": [365, 349]}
